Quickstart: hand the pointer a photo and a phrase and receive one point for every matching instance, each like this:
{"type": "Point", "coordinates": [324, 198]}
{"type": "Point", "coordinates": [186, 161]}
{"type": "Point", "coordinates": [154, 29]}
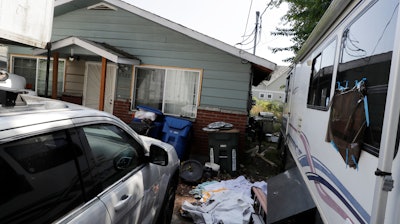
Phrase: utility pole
{"type": "Point", "coordinates": [256, 32]}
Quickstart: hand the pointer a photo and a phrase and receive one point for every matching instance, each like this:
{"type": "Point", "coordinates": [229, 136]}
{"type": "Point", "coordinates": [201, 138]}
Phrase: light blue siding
{"type": "Point", "coordinates": [225, 83]}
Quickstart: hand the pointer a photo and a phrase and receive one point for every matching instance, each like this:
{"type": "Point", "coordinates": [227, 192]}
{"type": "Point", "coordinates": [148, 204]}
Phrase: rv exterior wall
{"type": "Point", "coordinates": [344, 194]}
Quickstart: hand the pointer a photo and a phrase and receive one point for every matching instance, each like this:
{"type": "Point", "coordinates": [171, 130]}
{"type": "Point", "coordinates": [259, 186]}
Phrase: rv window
{"type": "Point", "coordinates": [321, 78]}
{"type": "Point", "coordinates": [367, 54]}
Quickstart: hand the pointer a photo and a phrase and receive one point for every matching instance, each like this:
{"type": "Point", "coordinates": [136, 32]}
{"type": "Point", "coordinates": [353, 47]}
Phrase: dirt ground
{"type": "Point", "coordinates": [255, 165]}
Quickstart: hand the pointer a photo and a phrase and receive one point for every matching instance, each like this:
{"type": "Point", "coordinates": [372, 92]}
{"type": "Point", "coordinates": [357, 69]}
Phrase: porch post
{"type": "Point", "coordinates": [46, 86]}
{"type": "Point", "coordinates": [102, 83]}
{"type": "Point", "coordinates": [55, 76]}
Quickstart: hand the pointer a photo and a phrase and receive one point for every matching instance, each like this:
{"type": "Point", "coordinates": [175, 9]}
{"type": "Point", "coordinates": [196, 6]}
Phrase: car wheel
{"type": "Point", "coordinates": [167, 209]}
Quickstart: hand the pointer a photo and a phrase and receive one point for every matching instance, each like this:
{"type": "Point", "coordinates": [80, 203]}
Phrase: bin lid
{"type": "Point", "coordinates": [177, 123]}
{"type": "Point", "coordinates": [150, 109]}
{"type": "Point", "coordinates": [220, 125]}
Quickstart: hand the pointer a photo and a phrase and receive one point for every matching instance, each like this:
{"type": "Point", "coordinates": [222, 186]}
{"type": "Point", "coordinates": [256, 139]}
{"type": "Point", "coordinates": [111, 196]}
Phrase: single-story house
{"type": "Point", "coordinates": [273, 89]}
{"type": "Point", "coordinates": [113, 56]}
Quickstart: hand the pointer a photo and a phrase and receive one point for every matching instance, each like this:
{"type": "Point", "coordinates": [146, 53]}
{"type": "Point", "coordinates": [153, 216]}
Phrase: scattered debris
{"type": "Point", "coordinates": [252, 167]}
{"type": "Point", "coordinates": [261, 155]}
{"type": "Point", "coordinates": [227, 201]}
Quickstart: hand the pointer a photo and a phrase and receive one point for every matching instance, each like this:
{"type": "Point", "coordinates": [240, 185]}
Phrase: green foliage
{"type": "Point", "coordinates": [302, 16]}
{"type": "Point", "coordinates": [274, 107]}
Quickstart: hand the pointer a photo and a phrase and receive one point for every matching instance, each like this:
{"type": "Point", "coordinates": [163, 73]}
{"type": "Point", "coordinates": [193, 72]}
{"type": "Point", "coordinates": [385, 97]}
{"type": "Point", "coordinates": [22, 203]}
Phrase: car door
{"type": "Point", "coordinates": [39, 172]}
{"type": "Point", "coordinates": [120, 169]}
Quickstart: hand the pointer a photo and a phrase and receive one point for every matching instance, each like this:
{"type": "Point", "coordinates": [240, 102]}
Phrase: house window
{"type": "Point", "coordinates": [172, 91]}
{"type": "Point", "coordinates": [269, 96]}
{"type": "Point", "coordinates": [261, 96]}
{"type": "Point", "coordinates": [34, 71]}
{"type": "Point", "coordinates": [321, 78]}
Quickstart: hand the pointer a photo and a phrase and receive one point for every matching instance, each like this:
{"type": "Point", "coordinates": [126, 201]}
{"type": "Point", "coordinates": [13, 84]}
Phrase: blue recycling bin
{"type": "Point", "coordinates": [176, 131]}
{"type": "Point", "coordinates": [156, 126]}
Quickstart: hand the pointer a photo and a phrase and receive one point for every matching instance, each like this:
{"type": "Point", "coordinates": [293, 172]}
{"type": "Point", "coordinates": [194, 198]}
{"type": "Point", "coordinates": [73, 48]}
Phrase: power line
{"type": "Point", "coordinates": [268, 5]}
{"type": "Point", "coordinates": [256, 31]}
{"type": "Point", "coordinates": [243, 42]}
{"type": "Point", "coordinates": [247, 22]}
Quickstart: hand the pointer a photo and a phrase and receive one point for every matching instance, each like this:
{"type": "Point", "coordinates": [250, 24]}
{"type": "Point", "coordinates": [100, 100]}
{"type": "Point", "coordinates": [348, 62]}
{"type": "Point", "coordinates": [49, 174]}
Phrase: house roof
{"type": "Point", "coordinates": [105, 50]}
{"type": "Point", "coordinates": [281, 71]}
{"type": "Point", "coordinates": [261, 70]}
{"type": "Point", "coordinates": [278, 73]}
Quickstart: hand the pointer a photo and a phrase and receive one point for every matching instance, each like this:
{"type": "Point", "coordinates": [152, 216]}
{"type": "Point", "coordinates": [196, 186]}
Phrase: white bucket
{"type": "Point", "coordinates": [213, 166]}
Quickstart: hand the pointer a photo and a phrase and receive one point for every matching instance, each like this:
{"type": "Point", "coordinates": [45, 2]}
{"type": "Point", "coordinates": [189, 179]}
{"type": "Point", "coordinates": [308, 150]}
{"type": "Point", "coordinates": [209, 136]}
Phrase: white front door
{"type": "Point", "coordinates": [91, 90]}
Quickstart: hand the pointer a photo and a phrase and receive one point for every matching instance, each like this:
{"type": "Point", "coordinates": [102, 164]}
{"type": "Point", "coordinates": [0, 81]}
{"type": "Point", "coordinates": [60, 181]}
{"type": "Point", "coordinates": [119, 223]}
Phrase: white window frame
{"type": "Point", "coordinates": [38, 58]}
{"type": "Point", "coordinates": [166, 69]}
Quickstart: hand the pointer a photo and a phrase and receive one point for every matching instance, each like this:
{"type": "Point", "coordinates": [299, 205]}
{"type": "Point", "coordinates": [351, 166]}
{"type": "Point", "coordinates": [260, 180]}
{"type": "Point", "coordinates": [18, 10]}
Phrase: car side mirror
{"type": "Point", "coordinates": [158, 155]}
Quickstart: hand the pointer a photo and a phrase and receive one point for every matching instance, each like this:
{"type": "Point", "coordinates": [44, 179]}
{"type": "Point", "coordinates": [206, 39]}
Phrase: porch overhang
{"type": "Point", "coordinates": [102, 49]}
{"type": "Point", "coordinates": [260, 74]}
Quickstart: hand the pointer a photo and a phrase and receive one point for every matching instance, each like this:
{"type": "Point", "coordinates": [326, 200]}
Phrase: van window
{"type": "Point", "coordinates": [367, 53]}
{"type": "Point", "coordinates": [40, 180]}
{"type": "Point", "coordinates": [321, 78]}
{"type": "Point", "coordinates": [115, 152]}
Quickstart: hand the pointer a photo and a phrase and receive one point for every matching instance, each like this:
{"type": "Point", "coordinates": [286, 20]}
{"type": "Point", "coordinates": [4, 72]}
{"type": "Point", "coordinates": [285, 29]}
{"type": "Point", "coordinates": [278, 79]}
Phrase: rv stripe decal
{"type": "Point", "coordinates": [319, 179]}
{"type": "Point", "coordinates": [341, 192]}
{"type": "Point", "coordinates": [321, 167]}
{"type": "Point", "coordinates": [321, 191]}
{"type": "Point", "coordinates": [308, 160]}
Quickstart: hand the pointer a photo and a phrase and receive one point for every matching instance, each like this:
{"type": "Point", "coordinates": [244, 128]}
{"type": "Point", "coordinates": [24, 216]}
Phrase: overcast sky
{"type": "Point", "coordinates": [226, 20]}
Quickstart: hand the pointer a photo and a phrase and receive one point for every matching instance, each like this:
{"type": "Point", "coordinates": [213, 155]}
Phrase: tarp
{"type": "Point", "coordinates": [347, 122]}
{"type": "Point", "coordinates": [223, 202]}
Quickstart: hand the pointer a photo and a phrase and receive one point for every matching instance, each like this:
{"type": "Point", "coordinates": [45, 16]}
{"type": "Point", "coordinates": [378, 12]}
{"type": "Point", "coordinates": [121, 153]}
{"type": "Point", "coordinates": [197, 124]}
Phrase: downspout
{"type": "Point", "coordinates": [250, 94]}
{"type": "Point", "coordinates": [384, 181]}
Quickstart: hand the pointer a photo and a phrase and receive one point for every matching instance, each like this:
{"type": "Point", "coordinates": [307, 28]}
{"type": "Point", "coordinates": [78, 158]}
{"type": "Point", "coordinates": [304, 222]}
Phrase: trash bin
{"type": "Point", "coordinates": [176, 131]}
{"type": "Point", "coordinates": [155, 126]}
{"type": "Point", "coordinates": [265, 125]}
{"type": "Point", "coordinates": [266, 121]}
{"type": "Point", "coordinates": [140, 127]}
{"type": "Point", "coordinates": [223, 146]}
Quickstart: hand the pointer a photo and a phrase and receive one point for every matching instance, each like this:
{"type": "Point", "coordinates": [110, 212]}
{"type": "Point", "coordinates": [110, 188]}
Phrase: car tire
{"type": "Point", "coordinates": [167, 209]}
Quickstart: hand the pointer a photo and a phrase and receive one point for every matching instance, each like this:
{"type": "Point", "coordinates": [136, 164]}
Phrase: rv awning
{"type": "Point", "coordinates": [102, 49]}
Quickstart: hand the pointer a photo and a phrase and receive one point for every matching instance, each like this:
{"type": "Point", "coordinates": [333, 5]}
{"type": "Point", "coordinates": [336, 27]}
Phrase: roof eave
{"type": "Point", "coordinates": [90, 46]}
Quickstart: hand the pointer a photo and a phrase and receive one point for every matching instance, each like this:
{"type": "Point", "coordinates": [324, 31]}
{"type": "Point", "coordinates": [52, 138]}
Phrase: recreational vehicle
{"type": "Point", "coordinates": [342, 112]}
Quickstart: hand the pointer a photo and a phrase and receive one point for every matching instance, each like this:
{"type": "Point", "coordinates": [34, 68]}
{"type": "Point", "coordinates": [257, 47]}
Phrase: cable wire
{"type": "Point", "coordinates": [247, 22]}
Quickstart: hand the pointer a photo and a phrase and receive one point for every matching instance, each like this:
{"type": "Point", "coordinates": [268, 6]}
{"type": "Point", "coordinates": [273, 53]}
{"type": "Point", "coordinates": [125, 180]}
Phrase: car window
{"type": "Point", "coordinates": [39, 176]}
{"type": "Point", "coordinates": [115, 152]}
